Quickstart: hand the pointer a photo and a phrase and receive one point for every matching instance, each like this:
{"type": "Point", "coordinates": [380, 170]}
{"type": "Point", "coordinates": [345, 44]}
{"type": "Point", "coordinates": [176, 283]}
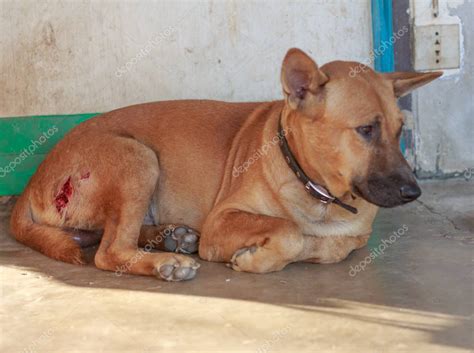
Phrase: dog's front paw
{"type": "Point", "coordinates": [242, 259]}
{"type": "Point", "coordinates": [257, 259]}
{"type": "Point", "coordinates": [182, 239]}
{"type": "Point", "coordinates": [177, 268]}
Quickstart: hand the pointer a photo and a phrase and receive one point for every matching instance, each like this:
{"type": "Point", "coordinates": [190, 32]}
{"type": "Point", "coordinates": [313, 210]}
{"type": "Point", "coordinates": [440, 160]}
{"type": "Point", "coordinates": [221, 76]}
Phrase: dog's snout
{"type": "Point", "coordinates": [410, 192]}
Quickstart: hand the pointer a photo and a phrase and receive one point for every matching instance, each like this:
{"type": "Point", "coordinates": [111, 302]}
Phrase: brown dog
{"type": "Point", "coordinates": [238, 172]}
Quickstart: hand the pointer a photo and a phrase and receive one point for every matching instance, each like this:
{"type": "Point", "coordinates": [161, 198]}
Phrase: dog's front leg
{"type": "Point", "coordinates": [250, 242]}
{"type": "Point", "coordinates": [330, 249]}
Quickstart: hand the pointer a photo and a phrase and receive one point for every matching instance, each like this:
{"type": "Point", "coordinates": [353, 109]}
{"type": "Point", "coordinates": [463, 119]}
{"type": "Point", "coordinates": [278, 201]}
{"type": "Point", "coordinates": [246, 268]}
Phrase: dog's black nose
{"type": "Point", "coordinates": [410, 192]}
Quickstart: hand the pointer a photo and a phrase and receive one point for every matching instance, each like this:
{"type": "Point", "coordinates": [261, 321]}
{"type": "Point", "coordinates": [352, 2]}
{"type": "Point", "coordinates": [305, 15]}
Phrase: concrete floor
{"type": "Point", "coordinates": [416, 296]}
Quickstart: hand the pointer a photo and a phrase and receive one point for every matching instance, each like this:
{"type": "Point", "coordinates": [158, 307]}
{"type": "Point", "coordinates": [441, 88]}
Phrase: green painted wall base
{"type": "Point", "coordinates": [25, 142]}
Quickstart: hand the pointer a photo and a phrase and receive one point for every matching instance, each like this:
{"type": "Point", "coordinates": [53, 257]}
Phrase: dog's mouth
{"type": "Point", "coordinates": [387, 192]}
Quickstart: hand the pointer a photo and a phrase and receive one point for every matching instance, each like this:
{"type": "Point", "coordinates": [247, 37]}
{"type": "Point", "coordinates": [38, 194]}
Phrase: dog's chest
{"type": "Point", "coordinates": [313, 222]}
{"type": "Point", "coordinates": [314, 218]}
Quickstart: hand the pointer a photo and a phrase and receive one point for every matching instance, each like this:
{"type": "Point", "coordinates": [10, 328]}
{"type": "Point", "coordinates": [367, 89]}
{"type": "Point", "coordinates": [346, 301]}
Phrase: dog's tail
{"type": "Point", "coordinates": [48, 240]}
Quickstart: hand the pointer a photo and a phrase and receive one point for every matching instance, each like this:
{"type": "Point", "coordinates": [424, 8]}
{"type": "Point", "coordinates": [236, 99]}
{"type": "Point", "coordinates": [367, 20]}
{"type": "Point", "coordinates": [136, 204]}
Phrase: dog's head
{"type": "Point", "coordinates": [346, 126]}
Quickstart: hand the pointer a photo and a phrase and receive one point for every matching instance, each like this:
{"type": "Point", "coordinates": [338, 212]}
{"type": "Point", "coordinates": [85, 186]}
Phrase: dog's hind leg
{"type": "Point", "coordinates": [96, 190]}
{"type": "Point", "coordinates": [169, 237]}
{"type": "Point", "coordinates": [117, 253]}
{"type": "Point", "coordinates": [118, 250]}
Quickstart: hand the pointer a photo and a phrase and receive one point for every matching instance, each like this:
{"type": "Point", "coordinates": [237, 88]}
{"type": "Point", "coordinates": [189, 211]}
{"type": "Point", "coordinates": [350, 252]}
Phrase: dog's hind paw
{"type": "Point", "coordinates": [177, 268]}
{"type": "Point", "coordinates": [182, 239]}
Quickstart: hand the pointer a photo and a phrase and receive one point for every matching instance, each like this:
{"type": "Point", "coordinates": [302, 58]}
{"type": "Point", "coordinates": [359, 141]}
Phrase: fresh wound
{"type": "Point", "coordinates": [62, 198]}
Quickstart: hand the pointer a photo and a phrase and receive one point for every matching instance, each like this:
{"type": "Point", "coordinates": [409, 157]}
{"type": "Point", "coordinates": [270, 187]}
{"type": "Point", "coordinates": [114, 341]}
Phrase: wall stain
{"type": "Point", "coordinates": [232, 21]}
{"type": "Point", "coordinates": [49, 37]}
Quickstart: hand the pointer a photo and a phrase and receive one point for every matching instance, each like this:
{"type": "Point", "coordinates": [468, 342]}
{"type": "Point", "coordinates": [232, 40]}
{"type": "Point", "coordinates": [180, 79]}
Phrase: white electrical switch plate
{"type": "Point", "coordinates": [436, 47]}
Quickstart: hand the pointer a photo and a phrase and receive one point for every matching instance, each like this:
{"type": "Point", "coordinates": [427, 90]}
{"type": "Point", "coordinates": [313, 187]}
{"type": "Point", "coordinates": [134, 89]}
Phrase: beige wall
{"type": "Point", "coordinates": [59, 57]}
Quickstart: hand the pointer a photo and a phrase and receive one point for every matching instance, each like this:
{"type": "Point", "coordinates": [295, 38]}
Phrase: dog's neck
{"type": "Point", "coordinates": [288, 121]}
{"type": "Point", "coordinates": [290, 200]}
{"type": "Point", "coordinates": [315, 189]}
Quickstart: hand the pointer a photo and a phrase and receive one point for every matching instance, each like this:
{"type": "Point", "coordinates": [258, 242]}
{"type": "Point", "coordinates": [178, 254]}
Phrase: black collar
{"type": "Point", "coordinates": [316, 190]}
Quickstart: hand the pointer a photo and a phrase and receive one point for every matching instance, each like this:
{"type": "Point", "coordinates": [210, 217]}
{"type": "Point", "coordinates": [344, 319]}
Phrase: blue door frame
{"type": "Point", "coordinates": [382, 31]}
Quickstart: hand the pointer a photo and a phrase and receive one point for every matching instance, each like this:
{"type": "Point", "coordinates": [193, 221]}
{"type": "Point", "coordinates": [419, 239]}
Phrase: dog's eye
{"type": "Point", "coordinates": [366, 131]}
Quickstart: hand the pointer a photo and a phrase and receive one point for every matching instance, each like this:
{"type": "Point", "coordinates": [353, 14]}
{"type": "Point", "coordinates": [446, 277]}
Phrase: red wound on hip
{"type": "Point", "coordinates": [62, 198]}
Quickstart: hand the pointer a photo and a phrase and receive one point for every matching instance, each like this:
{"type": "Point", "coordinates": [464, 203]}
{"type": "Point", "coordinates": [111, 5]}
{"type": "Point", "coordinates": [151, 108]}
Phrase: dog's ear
{"type": "Point", "coordinates": [300, 77]}
{"type": "Point", "coordinates": [405, 82]}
